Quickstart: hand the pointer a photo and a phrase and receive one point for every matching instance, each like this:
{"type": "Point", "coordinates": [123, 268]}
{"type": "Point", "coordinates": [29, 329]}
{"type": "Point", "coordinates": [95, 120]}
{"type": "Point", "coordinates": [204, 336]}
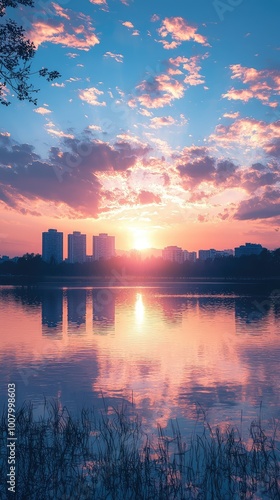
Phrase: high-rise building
{"type": "Point", "coordinates": [103, 246]}
{"type": "Point", "coordinates": [207, 254]}
{"type": "Point", "coordinates": [52, 246]}
{"type": "Point", "coordinates": [248, 249]}
{"type": "Point", "coordinates": [190, 256]}
{"type": "Point", "coordinates": [173, 254]}
{"type": "Point", "coordinates": [76, 248]}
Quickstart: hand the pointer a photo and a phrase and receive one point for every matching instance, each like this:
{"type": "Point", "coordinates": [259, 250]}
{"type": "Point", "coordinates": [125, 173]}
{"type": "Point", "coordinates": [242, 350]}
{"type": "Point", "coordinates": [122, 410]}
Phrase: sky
{"type": "Point", "coordinates": [163, 128]}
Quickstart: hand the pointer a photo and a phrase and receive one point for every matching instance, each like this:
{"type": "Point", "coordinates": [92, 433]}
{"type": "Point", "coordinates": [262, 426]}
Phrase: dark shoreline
{"type": "Point", "coordinates": [129, 281]}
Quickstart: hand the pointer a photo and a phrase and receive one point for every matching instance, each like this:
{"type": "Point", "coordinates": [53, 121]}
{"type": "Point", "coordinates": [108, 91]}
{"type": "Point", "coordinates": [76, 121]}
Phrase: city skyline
{"type": "Point", "coordinates": [162, 129]}
{"type": "Point", "coordinates": [103, 246]}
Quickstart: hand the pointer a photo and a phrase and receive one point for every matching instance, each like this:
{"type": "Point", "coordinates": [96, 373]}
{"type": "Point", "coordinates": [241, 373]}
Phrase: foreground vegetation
{"type": "Point", "coordinates": [109, 456]}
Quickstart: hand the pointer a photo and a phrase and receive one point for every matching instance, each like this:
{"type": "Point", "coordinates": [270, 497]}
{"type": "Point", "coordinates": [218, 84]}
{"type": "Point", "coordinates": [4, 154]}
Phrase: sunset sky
{"type": "Point", "coordinates": [163, 128]}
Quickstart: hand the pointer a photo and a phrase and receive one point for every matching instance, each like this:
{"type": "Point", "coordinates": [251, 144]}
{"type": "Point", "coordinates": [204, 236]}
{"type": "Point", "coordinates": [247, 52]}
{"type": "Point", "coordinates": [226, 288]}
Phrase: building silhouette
{"type": "Point", "coordinates": [207, 254]}
{"type": "Point", "coordinates": [173, 254]}
{"type": "Point", "coordinates": [190, 256]}
{"type": "Point", "coordinates": [76, 248]}
{"type": "Point", "coordinates": [212, 253]}
{"type": "Point", "coordinates": [52, 246]}
{"type": "Point", "coordinates": [103, 246]}
{"type": "Point", "coordinates": [248, 249]}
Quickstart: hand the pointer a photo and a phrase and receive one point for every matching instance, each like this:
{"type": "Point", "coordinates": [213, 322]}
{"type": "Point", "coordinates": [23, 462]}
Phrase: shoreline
{"type": "Point", "coordinates": [123, 281]}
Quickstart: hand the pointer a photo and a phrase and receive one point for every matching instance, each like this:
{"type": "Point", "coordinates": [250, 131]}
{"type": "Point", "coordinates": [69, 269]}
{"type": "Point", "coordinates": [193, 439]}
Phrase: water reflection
{"type": "Point", "coordinates": [103, 309]}
{"type": "Point", "coordinates": [139, 309]}
{"type": "Point", "coordinates": [76, 311]}
{"type": "Point", "coordinates": [52, 312]}
{"type": "Point", "coordinates": [194, 349]}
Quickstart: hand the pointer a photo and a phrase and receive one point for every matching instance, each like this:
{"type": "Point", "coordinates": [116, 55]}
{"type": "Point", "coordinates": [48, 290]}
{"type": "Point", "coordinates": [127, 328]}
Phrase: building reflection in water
{"type": "Point", "coordinates": [251, 315]}
{"type": "Point", "coordinates": [52, 307]}
{"type": "Point", "coordinates": [76, 310]}
{"type": "Point", "coordinates": [103, 310]}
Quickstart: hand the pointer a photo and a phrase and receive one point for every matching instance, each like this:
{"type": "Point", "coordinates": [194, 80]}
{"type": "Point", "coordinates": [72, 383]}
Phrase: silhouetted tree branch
{"type": "Point", "coordinates": [16, 53]}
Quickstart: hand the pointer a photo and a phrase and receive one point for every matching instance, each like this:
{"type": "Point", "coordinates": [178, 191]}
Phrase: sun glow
{"type": "Point", "coordinates": [140, 239]}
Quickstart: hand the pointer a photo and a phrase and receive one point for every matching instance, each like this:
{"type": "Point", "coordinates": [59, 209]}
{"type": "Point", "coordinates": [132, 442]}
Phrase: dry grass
{"type": "Point", "coordinates": [108, 456]}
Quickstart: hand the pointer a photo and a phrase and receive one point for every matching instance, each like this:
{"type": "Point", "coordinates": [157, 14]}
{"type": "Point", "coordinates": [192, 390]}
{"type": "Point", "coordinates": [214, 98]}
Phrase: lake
{"type": "Point", "coordinates": [173, 349]}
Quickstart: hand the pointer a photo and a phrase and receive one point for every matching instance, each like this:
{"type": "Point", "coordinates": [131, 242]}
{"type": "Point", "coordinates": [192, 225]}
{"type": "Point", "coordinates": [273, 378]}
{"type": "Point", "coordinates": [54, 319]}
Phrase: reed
{"type": "Point", "coordinates": [107, 455]}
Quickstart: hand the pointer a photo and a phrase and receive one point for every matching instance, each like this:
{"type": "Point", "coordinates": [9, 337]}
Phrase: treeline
{"type": "Point", "coordinates": [267, 264]}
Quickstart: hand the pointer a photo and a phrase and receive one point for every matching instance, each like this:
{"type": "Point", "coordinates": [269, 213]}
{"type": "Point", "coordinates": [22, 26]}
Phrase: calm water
{"type": "Point", "coordinates": [173, 347]}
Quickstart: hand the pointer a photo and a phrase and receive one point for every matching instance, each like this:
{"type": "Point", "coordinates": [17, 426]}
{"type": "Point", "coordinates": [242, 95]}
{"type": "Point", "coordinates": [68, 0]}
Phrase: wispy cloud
{"type": "Point", "coordinates": [118, 57]}
{"type": "Point", "coordinates": [190, 67]}
{"type": "Point", "coordinates": [261, 84]}
{"type": "Point", "coordinates": [180, 31]}
{"type": "Point", "coordinates": [66, 28]}
{"type": "Point", "coordinates": [52, 130]}
{"type": "Point", "coordinates": [231, 115]}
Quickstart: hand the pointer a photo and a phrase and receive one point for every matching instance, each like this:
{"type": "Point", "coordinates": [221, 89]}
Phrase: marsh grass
{"type": "Point", "coordinates": [107, 455]}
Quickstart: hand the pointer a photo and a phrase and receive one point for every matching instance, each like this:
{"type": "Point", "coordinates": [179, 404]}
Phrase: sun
{"type": "Point", "coordinates": [140, 239]}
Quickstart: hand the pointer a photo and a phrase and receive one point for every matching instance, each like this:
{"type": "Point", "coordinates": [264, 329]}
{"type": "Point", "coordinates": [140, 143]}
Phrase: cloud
{"type": "Point", "coordinates": [198, 170]}
{"type": "Point", "coordinates": [260, 207]}
{"type": "Point", "coordinates": [51, 129]}
{"type": "Point", "coordinates": [155, 18]}
{"type": "Point", "coordinates": [162, 121]}
{"type": "Point", "coordinates": [254, 179]}
{"type": "Point", "coordinates": [147, 197]}
{"type": "Point", "coordinates": [180, 31]}
{"type": "Point", "coordinates": [65, 27]}
{"type": "Point", "coordinates": [248, 133]}
{"type": "Point", "coordinates": [90, 95]}
{"type": "Point", "coordinates": [61, 85]}
{"type": "Point", "coordinates": [196, 166]}
{"type": "Point", "coordinates": [231, 115]}
{"type": "Point", "coordinates": [103, 4]}
{"type": "Point", "coordinates": [118, 57]}
{"type": "Point", "coordinates": [95, 127]}
{"type": "Point", "coordinates": [128, 24]}
{"type": "Point", "coordinates": [191, 65]}
{"type": "Point", "coordinates": [68, 177]}
{"type": "Point", "coordinates": [158, 92]}
{"type": "Point", "coordinates": [42, 111]}
{"type": "Point", "coordinates": [261, 84]}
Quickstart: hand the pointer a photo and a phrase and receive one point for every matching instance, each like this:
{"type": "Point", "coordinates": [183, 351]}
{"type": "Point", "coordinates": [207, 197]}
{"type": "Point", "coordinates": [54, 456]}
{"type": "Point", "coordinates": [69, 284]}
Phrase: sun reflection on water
{"type": "Point", "coordinates": [139, 309]}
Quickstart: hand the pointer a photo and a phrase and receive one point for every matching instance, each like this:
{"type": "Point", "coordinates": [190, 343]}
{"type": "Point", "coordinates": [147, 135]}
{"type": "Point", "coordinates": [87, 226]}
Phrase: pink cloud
{"type": "Point", "coordinates": [42, 111]}
{"type": "Point", "coordinates": [102, 3]}
{"type": "Point", "coordinates": [66, 28]}
{"type": "Point", "coordinates": [162, 121]}
{"type": "Point", "coordinates": [128, 24]}
{"type": "Point", "coordinates": [90, 95]}
{"type": "Point", "coordinates": [158, 92]}
{"type": "Point", "coordinates": [191, 65]}
{"type": "Point", "coordinates": [231, 115]}
{"type": "Point", "coordinates": [180, 31]}
{"type": "Point", "coordinates": [261, 85]}
{"type": "Point", "coordinates": [248, 133]}
{"type": "Point", "coordinates": [147, 197]}
{"type": "Point", "coordinates": [51, 129]}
